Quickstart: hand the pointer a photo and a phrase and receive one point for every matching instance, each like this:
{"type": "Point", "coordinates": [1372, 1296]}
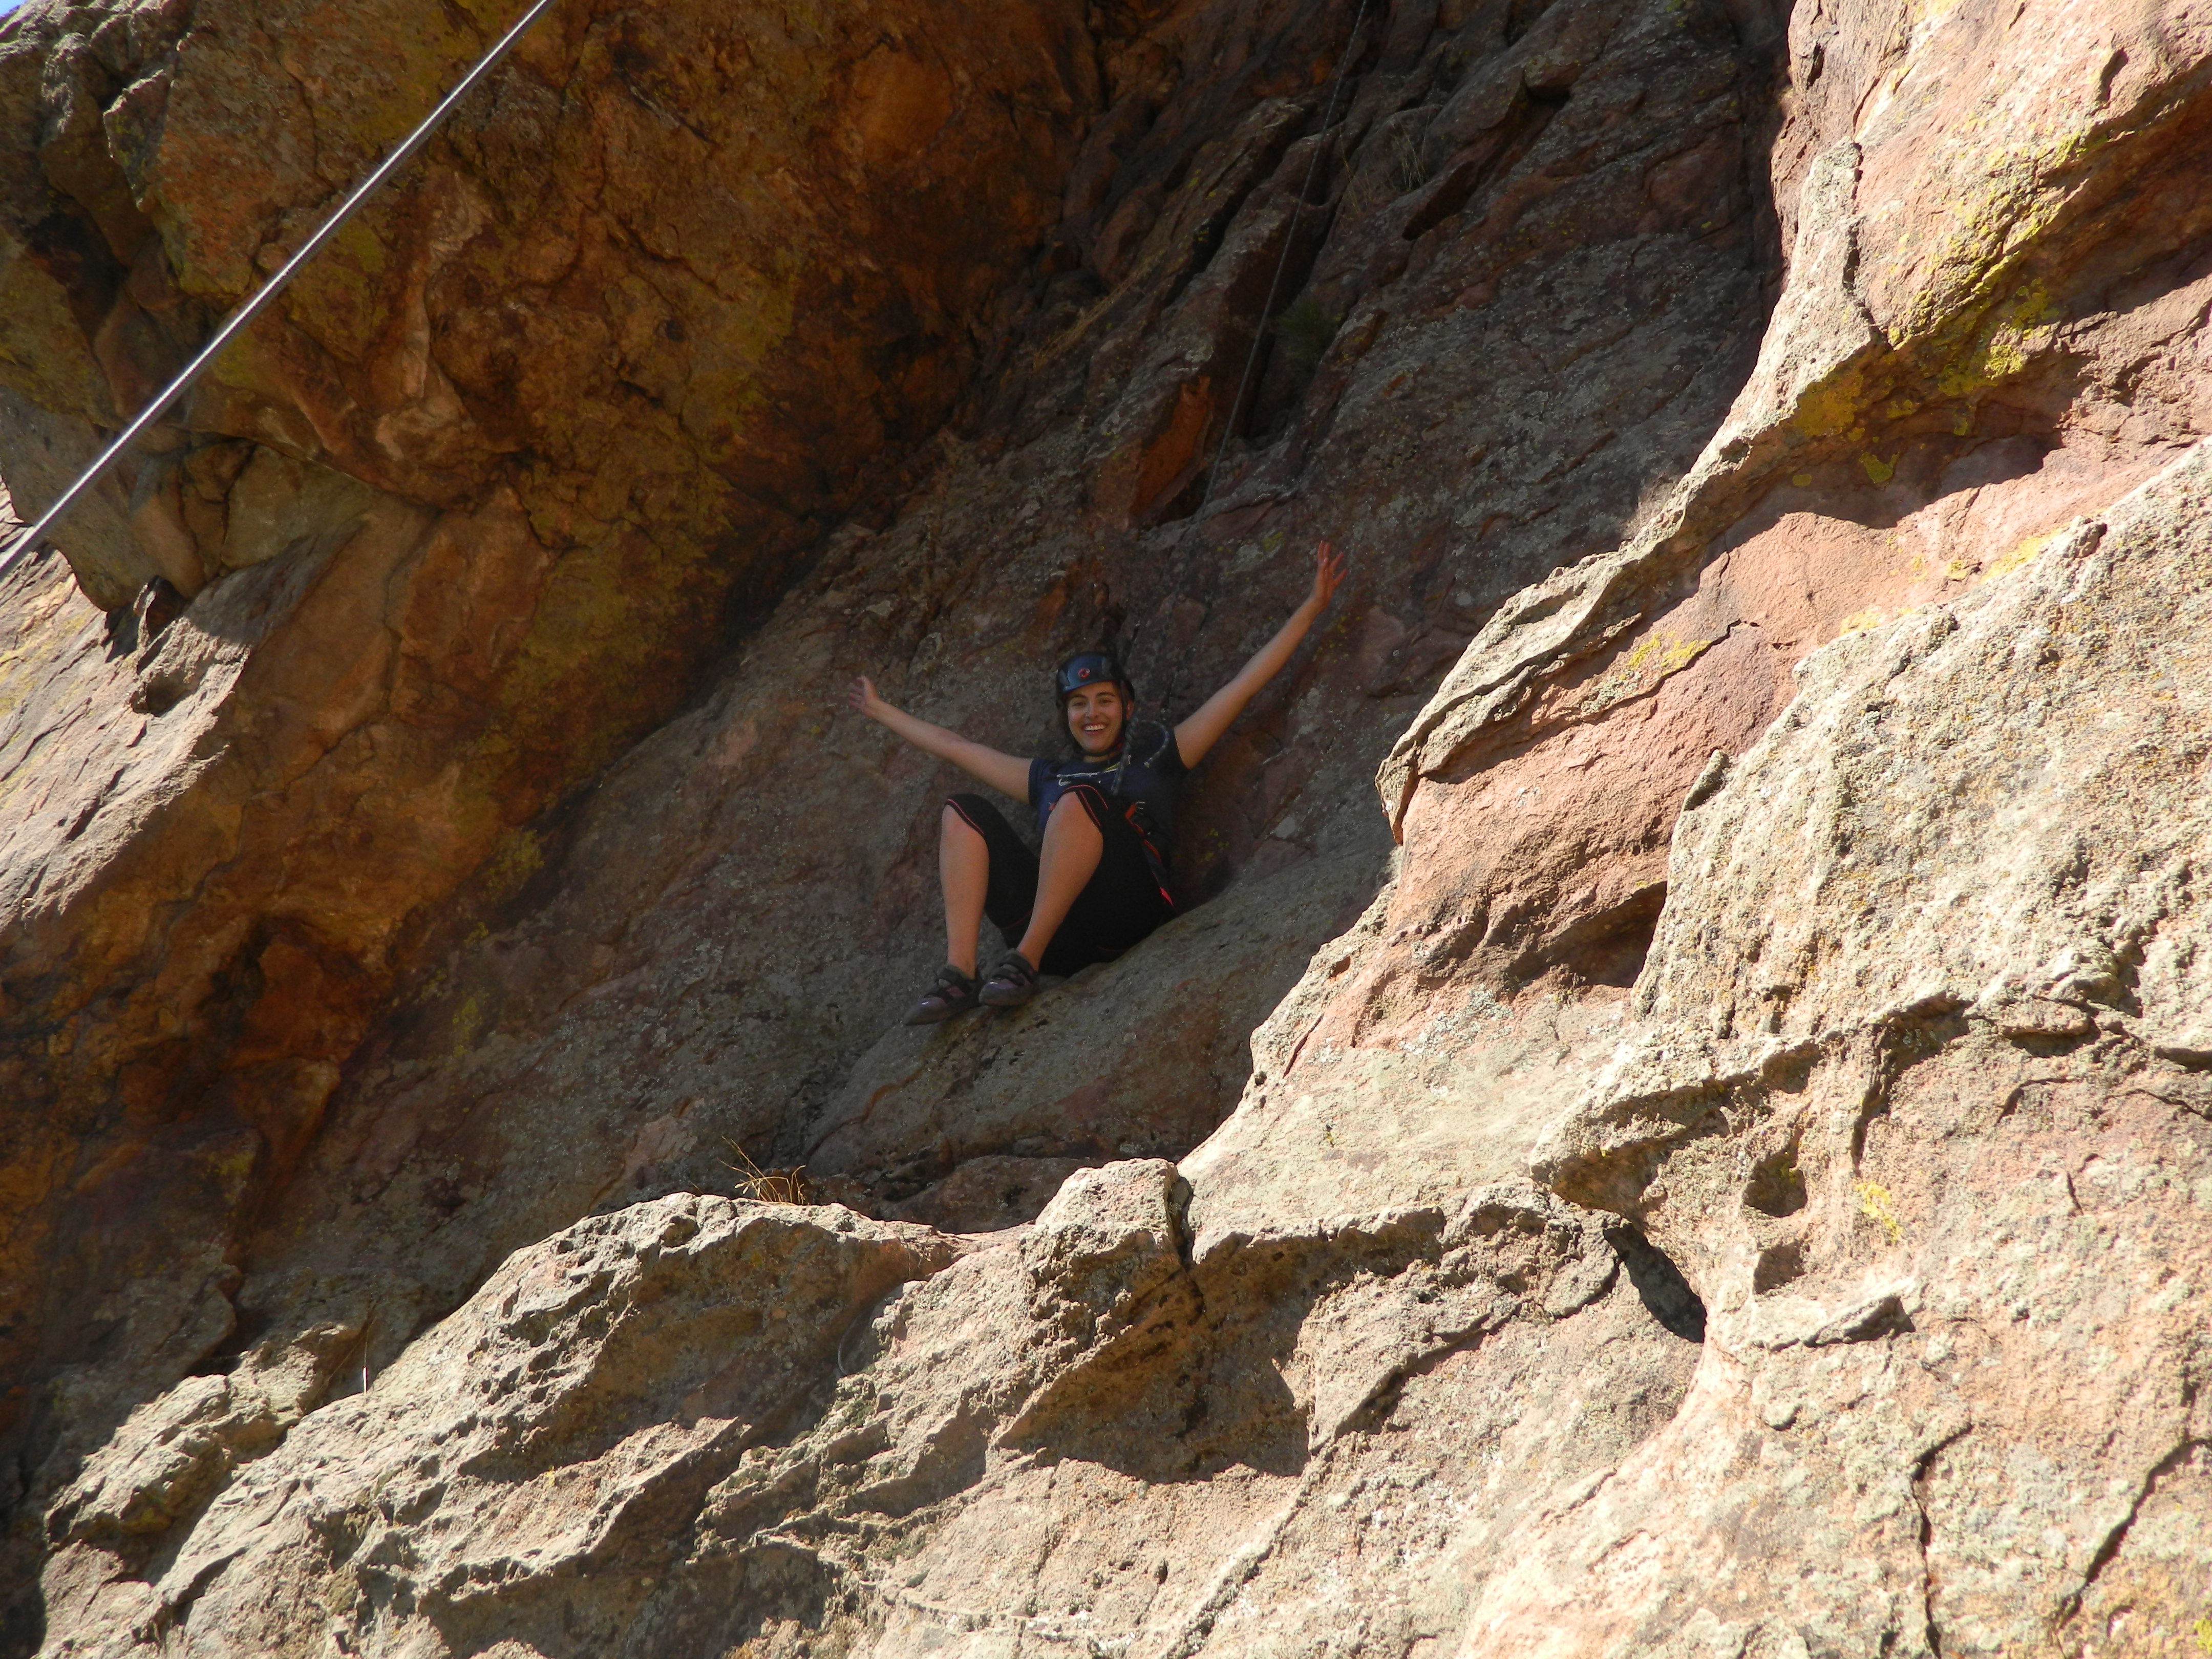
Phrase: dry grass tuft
{"type": "Point", "coordinates": [768, 1186]}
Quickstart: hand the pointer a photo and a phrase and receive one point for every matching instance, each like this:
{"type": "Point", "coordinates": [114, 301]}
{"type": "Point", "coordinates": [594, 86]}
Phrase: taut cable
{"type": "Point", "coordinates": [23, 544]}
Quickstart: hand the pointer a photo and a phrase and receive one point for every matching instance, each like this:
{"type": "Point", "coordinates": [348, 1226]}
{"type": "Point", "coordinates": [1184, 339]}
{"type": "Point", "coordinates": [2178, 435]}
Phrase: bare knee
{"type": "Point", "coordinates": [952, 825]}
{"type": "Point", "coordinates": [1070, 814]}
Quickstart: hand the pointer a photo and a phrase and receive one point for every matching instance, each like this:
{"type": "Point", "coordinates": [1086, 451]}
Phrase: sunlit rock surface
{"type": "Point", "coordinates": [1709, 1158]}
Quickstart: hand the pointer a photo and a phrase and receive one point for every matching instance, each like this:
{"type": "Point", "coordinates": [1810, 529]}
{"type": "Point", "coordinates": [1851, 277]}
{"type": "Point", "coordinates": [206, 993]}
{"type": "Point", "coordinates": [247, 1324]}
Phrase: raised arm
{"type": "Point", "coordinates": [1004, 773]}
{"type": "Point", "coordinates": [1214, 716]}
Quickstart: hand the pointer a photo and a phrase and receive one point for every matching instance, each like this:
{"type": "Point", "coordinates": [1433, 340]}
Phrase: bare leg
{"type": "Point", "coordinates": [963, 869]}
{"type": "Point", "coordinates": [1072, 846]}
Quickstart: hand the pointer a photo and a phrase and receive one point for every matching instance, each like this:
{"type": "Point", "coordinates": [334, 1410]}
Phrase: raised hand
{"type": "Point", "coordinates": [1008, 774]}
{"type": "Point", "coordinates": [1203, 728]}
{"type": "Point", "coordinates": [1328, 572]}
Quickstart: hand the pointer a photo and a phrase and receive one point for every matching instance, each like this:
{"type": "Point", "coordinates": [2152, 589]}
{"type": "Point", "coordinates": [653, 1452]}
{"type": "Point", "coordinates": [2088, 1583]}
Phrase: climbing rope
{"type": "Point", "coordinates": [1186, 568]}
{"type": "Point", "coordinates": [1283, 261]}
{"type": "Point", "coordinates": [32, 538]}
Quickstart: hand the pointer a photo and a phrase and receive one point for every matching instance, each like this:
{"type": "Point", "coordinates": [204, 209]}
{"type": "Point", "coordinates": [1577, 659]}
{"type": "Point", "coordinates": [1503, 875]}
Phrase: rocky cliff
{"type": "Point", "coordinates": [1708, 1156]}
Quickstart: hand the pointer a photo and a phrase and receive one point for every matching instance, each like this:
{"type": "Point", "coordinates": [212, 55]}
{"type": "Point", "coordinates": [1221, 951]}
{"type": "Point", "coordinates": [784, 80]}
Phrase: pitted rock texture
{"type": "Point", "coordinates": [605, 1378]}
{"type": "Point", "coordinates": [457, 521]}
{"type": "Point", "coordinates": [702, 1425]}
{"type": "Point", "coordinates": [1733, 1180]}
{"type": "Point", "coordinates": [708, 946]}
{"type": "Point", "coordinates": [1928, 1135]}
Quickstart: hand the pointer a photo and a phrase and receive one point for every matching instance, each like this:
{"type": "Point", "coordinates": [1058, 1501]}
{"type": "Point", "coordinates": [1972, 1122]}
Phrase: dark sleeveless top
{"type": "Point", "coordinates": [1144, 776]}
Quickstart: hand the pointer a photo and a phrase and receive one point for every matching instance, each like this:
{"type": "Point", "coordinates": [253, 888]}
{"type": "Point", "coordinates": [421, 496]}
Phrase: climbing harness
{"type": "Point", "coordinates": [266, 294]}
{"type": "Point", "coordinates": [1134, 813]}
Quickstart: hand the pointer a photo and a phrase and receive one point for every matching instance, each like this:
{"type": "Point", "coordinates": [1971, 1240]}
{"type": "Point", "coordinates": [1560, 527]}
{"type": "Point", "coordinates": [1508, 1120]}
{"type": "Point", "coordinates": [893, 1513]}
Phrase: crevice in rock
{"type": "Point", "coordinates": [1521, 16]}
{"type": "Point", "coordinates": [1660, 1286]}
{"type": "Point", "coordinates": [1777, 1187]}
{"type": "Point", "coordinates": [1899, 1043]}
{"type": "Point", "coordinates": [1779, 1265]}
{"type": "Point", "coordinates": [1606, 947]}
{"type": "Point", "coordinates": [1918, 1486]}
{"type": "Point", "coordinates": [2118, 1535]}
{"type": "Point", "coordinates": [1481, 164]}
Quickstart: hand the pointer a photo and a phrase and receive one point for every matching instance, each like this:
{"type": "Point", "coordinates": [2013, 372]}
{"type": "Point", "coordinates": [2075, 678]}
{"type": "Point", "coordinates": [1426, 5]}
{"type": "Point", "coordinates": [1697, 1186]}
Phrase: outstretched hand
{"type": "Point", "coordinates": [1199, 733]}
{"type": "Point", "coordinates": [1328, 572]}
{"type": "Point", "coordinates": [861, 697]}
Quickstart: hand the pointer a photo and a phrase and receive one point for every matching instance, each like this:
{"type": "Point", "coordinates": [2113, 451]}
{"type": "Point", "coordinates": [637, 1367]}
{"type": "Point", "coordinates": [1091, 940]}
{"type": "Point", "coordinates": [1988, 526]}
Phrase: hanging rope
{"type": "Point", "coordinates": [23, 544]}
{"type": "Point", "coordinates": [1184, 568]}
{"type": "Point", "coordinates": [1283, 261]}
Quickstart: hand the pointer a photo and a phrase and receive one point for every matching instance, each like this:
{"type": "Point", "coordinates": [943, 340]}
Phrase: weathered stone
{"type": "Point", "coordinates": [457, 521]}
{"type": "Point", "coordinates": [751, 886]}
{"type": "Point", "coordinates": [583, 1401]}
{"type": "Point", "coordinates": [680, 1425]}
{"type": "Point", "coordinates": [1738, 1187]}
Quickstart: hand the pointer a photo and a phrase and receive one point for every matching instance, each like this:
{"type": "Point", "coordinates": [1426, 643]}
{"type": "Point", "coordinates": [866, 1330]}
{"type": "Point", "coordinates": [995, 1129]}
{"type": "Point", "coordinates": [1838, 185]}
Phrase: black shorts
{"type": "Point", "coordinates": [1119, 905]}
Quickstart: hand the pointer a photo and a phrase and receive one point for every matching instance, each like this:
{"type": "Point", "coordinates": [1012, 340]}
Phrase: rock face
{"type": "Point", "coordinates": [457, 522]}
{"type": "Point", "coordinates": [1722, 1166]}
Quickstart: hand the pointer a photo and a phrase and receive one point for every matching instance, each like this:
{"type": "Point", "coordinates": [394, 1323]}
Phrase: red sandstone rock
{"type": "Point", "coordinates": [460, 518]}
{"type": "Point", "coordinates": [1394, 1363]}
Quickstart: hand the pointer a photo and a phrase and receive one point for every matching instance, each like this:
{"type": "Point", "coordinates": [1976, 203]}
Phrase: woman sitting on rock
{"type": "Point", "coordinates": [1106, 816]}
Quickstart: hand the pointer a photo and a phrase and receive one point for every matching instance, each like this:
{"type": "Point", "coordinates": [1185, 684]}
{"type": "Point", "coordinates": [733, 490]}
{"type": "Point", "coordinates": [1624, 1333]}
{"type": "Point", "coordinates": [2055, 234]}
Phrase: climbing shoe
{"type": "Point", "coordinates": [953, 993]}
{"type": "Point", "coordinates": [1012, 982]}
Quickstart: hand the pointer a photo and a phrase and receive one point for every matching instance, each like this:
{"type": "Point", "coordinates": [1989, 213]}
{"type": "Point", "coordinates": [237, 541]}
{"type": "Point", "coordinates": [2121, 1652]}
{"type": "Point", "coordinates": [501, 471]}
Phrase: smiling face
{"type": "Point", "coordinates": [1095, 715]}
